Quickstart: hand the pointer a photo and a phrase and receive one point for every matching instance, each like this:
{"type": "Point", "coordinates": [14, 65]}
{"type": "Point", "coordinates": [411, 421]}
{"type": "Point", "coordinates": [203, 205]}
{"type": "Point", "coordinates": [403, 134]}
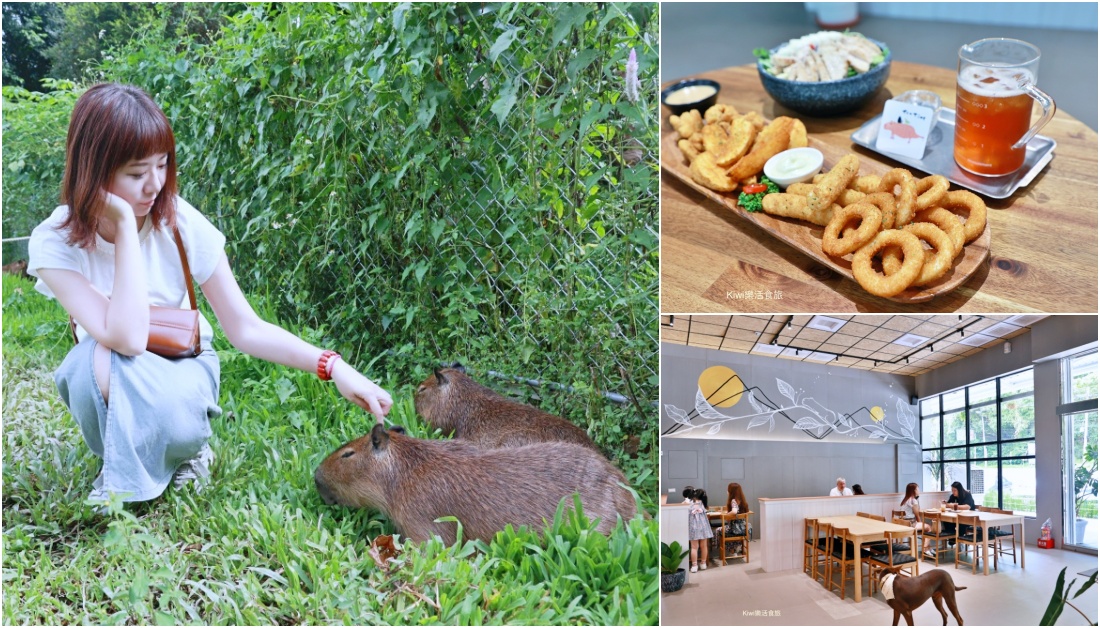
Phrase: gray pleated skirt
{"type": "Point", "coordinates": [158, 417]}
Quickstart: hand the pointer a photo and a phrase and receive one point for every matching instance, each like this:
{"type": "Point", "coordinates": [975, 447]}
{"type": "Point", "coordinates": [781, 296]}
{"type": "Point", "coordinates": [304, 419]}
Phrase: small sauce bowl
{"type": "Point", "coordinates": [690, 94]}
{"type": "Point", "coordinates": [794, 165]}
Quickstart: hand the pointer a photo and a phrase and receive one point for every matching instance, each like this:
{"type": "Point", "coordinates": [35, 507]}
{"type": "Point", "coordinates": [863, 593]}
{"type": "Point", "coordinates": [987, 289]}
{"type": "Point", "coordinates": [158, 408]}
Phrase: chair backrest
{"type": "Point", "coordinates": [728, 518]}
{"type": "Point", "coordinates": [875, 517]}
{"type": "Point", "coordinates": [1002, 512]}
{"type": "Point", "coordinates": [864, 514]}
{"type": "Point", "coordinates": [898, 513]}
{"type": "Point", "coordinates": [901, 521]}
{"type": "Point", "coordinates": [968, 520]}
{"type": "Point", "coordinates": [841, 535]}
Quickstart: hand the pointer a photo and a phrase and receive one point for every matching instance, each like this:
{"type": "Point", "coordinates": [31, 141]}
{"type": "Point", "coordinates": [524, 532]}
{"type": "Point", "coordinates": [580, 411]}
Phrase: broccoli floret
{"type": "Point", "coordinates": [754, 202]}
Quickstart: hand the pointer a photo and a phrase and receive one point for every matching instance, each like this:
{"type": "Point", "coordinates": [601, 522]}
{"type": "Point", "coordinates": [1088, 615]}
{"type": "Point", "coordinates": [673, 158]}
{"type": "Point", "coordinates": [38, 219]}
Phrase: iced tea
{"type": "Point", "coordinates": [993, 111]}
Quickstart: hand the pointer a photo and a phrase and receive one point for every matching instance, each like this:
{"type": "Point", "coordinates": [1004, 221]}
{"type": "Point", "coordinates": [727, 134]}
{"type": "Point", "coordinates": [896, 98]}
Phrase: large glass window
{"type": "Point", "coordinates": [1079, 429]}
{"type": "Point", "coordinates": [983, 436]}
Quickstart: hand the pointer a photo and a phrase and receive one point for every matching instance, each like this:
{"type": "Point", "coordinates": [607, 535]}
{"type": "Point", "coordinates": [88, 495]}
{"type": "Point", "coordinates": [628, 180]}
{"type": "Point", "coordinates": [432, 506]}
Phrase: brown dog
{"type": "Point", "coordinates": [910, 593]}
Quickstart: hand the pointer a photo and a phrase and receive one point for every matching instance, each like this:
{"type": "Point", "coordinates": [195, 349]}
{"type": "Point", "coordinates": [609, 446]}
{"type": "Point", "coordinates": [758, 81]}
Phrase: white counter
{"type": "Point", "coordinates": [783, 521]}
{"type": "Point", "coordinates": [674, 527]}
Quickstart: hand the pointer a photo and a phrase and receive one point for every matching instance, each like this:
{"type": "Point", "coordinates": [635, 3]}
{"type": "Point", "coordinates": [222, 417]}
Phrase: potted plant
{"type": "Point", "coordinates": [672, 575]}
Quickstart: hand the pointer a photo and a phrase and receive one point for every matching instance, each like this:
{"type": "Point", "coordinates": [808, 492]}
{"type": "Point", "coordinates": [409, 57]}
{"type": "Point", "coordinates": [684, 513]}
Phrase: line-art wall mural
{"type": "Point", "coordinates": [719, 387]}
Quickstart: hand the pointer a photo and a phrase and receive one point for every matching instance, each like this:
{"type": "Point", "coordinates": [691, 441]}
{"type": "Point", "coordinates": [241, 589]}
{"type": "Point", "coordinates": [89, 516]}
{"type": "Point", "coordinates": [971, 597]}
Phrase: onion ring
{"type": "Point", "coordinates": [834, 182]}
{"type": "Point", "coordinates": [867, 184]}
{"type": "Point", "coordinates": [885, 203]}
{"type": "Point", "coordinates": [936, 262]}
{"type": "Point", "coordinates": [870, 223]}
{"type": "Point", "coordinates": [975, 216]}
{"type": "Point", "coordinates": [883, 286]}
{"type": "Point", "coordinates": [907, 199]}
{"type": "Point", "coordinates": [930, 191]}
{"type": "Point", "coordinates": [949, 223]}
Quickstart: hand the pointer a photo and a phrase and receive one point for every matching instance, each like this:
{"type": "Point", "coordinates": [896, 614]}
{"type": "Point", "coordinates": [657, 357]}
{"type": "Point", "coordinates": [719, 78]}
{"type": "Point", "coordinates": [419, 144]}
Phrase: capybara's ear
{"type": "Point", "coordinates": [379, 438]}
{"type": "Point", "coordinates": [439, 377]}
{"type": "Point", "coordinates": [458, 367]}
{"type": "Point", "coordinates": [397, 429]}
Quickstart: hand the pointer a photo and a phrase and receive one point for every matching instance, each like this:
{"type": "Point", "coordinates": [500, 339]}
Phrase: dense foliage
{"type": "Point", "coordinates": [258, 546]}
{"type": "Point", "coordinates": [427, 182]}
{"type": "Point", "coordinates": [407, 184]}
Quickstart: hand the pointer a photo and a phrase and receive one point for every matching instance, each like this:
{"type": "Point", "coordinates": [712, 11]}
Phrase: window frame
{"type": "Point", "coordinates": [939, 454]}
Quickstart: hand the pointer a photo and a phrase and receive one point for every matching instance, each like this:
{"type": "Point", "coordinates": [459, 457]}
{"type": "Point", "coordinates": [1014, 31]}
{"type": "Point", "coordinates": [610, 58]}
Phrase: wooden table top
{"type": "Point", "coordinates": [1043, 251]}
{"type": "Point", "coordinates": [863, 527]}
{"type": "Point", "coordinates": [985, 517]}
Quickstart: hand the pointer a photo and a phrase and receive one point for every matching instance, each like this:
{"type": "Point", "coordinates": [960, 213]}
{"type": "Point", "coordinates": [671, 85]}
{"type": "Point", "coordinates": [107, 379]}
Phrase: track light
{"type": "Point", "coordinates": [907, 360]}
{"type": "Point", "coordinates": [961, 333]}
{"type": "Point", "coordinates": [788, 323]}
{"type": "Point", "coordinates": [931, 348]}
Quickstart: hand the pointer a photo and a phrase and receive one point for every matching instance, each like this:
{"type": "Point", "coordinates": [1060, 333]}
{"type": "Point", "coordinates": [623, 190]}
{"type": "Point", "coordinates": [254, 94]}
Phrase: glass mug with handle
{"type": "Point", "coordinates": [994, 89]}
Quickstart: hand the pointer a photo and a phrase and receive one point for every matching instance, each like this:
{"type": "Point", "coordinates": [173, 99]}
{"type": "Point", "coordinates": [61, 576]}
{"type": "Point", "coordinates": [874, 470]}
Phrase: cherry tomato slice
{"type": "Point", "coordinates": [755, 188]}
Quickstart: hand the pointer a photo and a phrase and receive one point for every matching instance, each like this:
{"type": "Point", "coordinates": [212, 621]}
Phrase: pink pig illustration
{"type": "Point", "coordinates": [902, 130]}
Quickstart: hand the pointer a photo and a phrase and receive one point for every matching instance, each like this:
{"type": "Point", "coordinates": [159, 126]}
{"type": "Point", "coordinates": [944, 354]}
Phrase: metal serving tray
{"type": "Point", "coordinates": [939, 157]}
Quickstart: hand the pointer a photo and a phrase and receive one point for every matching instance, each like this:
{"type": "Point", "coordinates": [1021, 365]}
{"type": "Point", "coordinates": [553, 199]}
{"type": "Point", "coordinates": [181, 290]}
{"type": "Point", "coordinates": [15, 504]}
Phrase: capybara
{"type": "Point", "coordinates": [415, 481]}
{"type": "Point", "coordinates": [453, 402]}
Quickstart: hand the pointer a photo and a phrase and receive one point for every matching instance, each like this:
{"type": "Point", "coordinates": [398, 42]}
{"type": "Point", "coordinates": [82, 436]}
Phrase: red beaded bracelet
{"type": "Point", "coordinates": [327, 356]}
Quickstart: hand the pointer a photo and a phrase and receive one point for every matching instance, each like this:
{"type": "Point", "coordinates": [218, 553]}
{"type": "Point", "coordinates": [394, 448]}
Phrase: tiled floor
{"type": "Point", "coordinates": [698, 37]}
{"type": "Point", "coordinates": [740, 594]}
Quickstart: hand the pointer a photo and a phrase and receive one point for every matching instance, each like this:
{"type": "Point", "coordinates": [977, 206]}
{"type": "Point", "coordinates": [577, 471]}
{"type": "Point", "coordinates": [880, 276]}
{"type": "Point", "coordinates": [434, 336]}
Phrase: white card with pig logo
{"type": "Point", "coordinates": [905, 129]}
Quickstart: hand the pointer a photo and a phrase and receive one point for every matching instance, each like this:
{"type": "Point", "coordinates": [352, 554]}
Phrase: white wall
{"type": "Point", "coordinates": [1067, 15]}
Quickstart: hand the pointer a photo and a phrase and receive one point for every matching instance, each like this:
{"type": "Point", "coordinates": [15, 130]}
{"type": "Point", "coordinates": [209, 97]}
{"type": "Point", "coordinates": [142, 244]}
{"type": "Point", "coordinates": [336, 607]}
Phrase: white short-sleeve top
{"type": "Point", "coordinates": [202, 241]}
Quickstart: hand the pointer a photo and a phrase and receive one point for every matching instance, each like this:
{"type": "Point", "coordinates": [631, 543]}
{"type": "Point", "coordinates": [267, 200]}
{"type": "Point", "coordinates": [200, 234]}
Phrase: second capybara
{"type": "Point", "coordinates": [415, 481]}
{"type": "Point", "coordinates": [450, 400]}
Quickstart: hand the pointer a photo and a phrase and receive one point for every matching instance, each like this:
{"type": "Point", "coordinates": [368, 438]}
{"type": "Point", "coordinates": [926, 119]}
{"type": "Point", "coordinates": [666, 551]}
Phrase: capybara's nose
{"type": "Point", "coordinates": [326, 495]}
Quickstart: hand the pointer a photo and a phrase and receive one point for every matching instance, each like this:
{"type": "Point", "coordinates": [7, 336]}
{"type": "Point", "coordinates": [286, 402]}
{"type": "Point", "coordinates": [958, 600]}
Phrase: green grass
{"type": "Point", "coordinates": [258, 546]}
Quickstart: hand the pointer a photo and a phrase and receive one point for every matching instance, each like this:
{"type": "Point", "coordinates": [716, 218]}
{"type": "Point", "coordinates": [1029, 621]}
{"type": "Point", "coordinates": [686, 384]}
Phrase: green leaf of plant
{"type": "Point", "coordinates": [505, 101]}
{"type": "Point", "coordinates": [503, 42]}
{"type": "Point", "coordinates": [583, 59]}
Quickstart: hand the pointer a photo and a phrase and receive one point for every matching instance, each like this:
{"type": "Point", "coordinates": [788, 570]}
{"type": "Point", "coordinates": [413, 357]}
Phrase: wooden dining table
{"type": "Point", "coordinates": [864, 530]}
{"type": "Point", "coordinates": [1043, 238]}
{"type": "Point", "coordinates": [987, 520]}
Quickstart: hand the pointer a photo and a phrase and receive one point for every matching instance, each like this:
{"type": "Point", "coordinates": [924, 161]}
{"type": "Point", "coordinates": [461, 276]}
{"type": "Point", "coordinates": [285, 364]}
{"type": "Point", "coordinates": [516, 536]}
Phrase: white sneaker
{"type": "Point", "coordinates": [196, 469]}
{"type": "Point", "coordinates": [703, 566]}
{"type": "Point", "coordinates": [694, 568]}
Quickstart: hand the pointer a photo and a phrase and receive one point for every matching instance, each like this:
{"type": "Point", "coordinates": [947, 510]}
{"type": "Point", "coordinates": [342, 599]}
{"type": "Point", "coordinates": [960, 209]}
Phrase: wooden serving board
{"type": "Point", "coordinates": [806, 237]}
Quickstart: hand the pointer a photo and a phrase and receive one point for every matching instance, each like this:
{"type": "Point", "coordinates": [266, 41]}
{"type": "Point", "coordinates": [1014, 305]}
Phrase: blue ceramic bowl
{"type": "Point", "coordinates": [826, 98]}
{"type": "Point", "coordinates": [701, 105]}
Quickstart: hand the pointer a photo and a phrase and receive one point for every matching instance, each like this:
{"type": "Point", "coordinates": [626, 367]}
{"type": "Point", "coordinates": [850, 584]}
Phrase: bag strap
{"type": "Point", "coordinates": [186, 280]}
{"type": "Point", "coordinates": [186, 268]}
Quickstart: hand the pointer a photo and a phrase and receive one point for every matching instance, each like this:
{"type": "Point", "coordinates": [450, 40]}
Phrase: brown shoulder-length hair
{"type": "Point", "coordinates": [733, 491]}
{"type": "Point", "coordinates": [910, 491]}
{"type": "Point", "coordinates": [111, 125]}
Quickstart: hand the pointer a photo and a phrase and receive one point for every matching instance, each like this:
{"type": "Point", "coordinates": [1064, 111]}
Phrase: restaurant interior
{"type": "Point", "coordinates": [790, 408]}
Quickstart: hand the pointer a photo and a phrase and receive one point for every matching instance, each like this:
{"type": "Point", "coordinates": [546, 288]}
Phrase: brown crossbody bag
{"type": "Point", "coordinates": [173, 332]}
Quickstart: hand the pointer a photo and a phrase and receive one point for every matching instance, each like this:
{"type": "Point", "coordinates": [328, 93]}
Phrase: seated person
{"type": "Point", "coordinates": [735, 503]}
{"type": "Point", "coordinates": [840, 490]}
{"type": "Point", "coordinates": [857, 490]}
{"type": "Point", "coordinates": [960, 499]}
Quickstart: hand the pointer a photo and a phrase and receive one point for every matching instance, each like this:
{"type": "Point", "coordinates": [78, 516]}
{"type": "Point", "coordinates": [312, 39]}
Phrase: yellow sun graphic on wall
{"type": "Point", "coordinates": [877, 414]}
{"type": "Point", "coordinates": [721, 387]}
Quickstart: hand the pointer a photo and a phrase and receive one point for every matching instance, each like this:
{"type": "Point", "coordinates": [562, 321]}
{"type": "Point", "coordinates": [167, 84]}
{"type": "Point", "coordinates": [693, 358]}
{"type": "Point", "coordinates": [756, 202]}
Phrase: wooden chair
{"type": "Point", "coordinates": [726, 536]}
{"type": "Point", "coordinates": [972, 540]}
{"type": "Point", "coordinates": [842, 555]}
{"type": "Point", "coordinates": [1000, 535]}
{"type": "Point", "coordinates": [868, 515]}
{"type": "Point", "coordinates": [900, 555]}
{"type": "Point", "coordinates": [813, 559]}
{"type": "Point", "coordinates": [937, 536]}
{"type": "Point", "coordinates": [897, 514]}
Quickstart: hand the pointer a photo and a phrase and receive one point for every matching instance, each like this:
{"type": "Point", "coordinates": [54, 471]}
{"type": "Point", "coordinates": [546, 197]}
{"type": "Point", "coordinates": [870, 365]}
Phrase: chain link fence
{"type": "Point", "coordinates": [427, 183]}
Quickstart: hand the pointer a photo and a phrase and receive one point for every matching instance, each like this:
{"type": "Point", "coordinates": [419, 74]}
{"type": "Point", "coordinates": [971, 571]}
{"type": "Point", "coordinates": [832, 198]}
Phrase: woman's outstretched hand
{"type": "Point", "coordinates": [361, 391]}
